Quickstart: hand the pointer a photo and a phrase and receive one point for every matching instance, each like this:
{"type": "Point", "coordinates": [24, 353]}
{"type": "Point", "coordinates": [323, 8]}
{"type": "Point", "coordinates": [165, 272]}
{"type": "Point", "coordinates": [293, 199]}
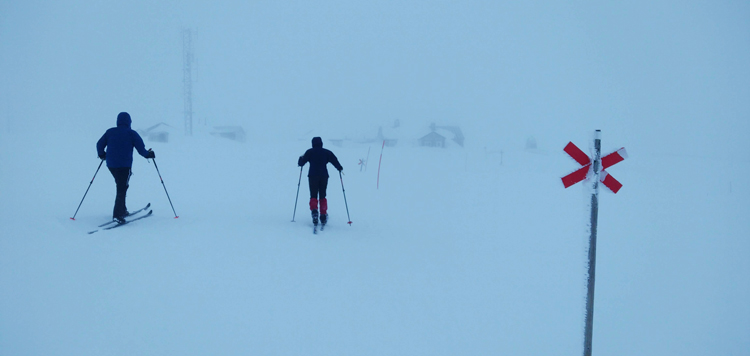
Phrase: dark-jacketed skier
{"type": "Point", "coordinates": [317, 175]}
{"type": "Point", "coordinates": [119, 143]}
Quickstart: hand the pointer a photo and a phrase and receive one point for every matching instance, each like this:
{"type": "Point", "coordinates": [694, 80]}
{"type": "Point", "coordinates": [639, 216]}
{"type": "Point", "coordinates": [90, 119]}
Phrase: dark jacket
{"type": "Point", "coordinates": [120, 142]}
{"type": "Point", "coordinates": [318, 158]}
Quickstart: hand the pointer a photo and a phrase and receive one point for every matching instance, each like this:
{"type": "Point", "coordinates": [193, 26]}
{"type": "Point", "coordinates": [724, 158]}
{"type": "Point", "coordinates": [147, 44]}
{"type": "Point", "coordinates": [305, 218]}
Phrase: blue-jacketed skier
{"type": "Point", "coordinates": [119, 143]}
{"type": "Point", "coordinates": [317, 175]}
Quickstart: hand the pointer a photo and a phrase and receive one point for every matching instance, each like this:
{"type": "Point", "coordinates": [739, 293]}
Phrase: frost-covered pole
{"type": "Point", "coordinates": [593, 167]}
{"type": "Point", "coordinates": [592, 246]}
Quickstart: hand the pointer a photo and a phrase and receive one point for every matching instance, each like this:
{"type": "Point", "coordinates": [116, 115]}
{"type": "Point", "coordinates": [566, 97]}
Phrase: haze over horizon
{"type": "Point", "coordinates": [659, 76]}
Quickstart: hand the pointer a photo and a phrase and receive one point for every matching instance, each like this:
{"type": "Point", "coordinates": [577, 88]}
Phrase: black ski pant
{"type": "Point", "coordinates": [122, 177]}
{"type": "Point", "coordinates": [318, 187]}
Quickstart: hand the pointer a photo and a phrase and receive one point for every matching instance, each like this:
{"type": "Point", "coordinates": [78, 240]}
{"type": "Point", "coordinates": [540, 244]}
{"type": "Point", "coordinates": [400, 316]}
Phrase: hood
{"type": "Point", "coordinates": [123, 120]}
{"type": "Point", "coordinates": [317, 142]}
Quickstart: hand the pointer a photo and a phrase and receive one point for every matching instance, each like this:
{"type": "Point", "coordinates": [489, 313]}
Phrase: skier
{"type": "Point", "coordinates": [317, 175]}
{"type": "Point", "coordinates": [120, 142]}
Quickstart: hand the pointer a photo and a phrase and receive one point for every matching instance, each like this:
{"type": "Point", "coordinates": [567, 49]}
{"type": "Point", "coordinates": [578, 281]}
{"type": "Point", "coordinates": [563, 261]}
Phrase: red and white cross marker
{"type": "Point", "coordinates": [586, 162]}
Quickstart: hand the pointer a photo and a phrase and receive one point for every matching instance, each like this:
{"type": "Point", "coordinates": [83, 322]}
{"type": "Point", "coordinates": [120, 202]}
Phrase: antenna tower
{"type": "Point", "coordinates": [187, 79]}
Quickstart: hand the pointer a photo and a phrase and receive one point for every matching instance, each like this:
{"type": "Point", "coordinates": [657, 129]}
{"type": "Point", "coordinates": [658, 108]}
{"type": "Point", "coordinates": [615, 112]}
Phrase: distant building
{"type": "Point", "coordinates": [157, 133]}
{"type": "Point", "coordinates": [435, 139]}
{"type": "Point", "coordinates": [432, 139]}
{"type": "Point", "coordinates": [458, 135]}
{"type": "Point", "coordinates": [234, 133]}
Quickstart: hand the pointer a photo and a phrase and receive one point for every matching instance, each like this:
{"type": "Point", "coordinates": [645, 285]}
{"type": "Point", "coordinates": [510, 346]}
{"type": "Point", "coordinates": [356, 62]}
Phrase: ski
{"type": "Point", "coordinates": [129, 214]}
{"type": "Point", "coordinates": [316, 230]}
{"type": "Point", "coordinates": [126, 222]}
{"type": "Point", "coordinates": [129, 221]}
{"type": "Point", "coordinates": [323, 221]}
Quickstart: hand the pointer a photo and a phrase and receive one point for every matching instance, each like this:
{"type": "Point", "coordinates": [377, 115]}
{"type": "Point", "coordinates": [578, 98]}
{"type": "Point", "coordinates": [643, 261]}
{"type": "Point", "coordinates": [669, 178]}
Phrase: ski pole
{"type": "Point", "coordinates": [381, 161]}
{"type": "Point", "coordinates": [347, 205]}
{"type": "Point", "coordinates": [87, 190]}
{"type": "Point", "coordinates": [295, 199]}
{"type": "Point", "coordinates": [165, 187]}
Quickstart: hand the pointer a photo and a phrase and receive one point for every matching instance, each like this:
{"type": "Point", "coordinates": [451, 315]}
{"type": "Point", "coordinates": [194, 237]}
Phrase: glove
{"type": "Point", "coordinates": [150, 154]}
{"type": "Point", "coordinates": [103, 156]}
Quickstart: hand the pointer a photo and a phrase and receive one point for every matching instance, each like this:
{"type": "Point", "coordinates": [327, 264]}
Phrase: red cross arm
{"type": "Point", "coordinates": [614, 158]}
{"type": "Point", "coordinates": [610, 182]}
{"type": "Point", "coordinates": [576, 176]}
{"type": "Point", "coordinates": [577, 154]}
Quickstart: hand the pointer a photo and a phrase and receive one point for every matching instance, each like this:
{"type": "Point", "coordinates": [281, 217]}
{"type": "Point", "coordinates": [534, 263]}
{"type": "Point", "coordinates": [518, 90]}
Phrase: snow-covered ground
{"type": "Point", "coordinates": [460, 251]}
{"type": "Point", "coordinates": [456, 253]}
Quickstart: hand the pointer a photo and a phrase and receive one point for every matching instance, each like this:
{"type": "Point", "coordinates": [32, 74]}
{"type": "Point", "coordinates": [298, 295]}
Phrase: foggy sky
{"type": "Point", "coordinates": [667, 76]}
